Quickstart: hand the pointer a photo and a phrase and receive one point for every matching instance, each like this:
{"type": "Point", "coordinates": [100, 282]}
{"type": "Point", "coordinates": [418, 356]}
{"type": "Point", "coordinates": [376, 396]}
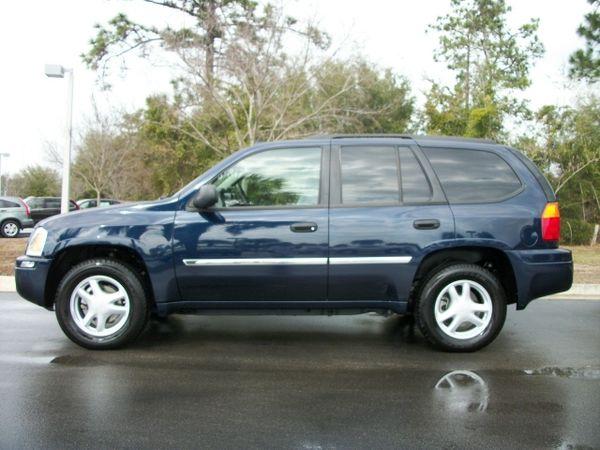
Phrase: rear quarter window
{"type": "Point", "coordinates": [537, 173]}
{"type": "Point", "coordinates": [8, 204]}
{"type": "Point", "coordinates": [473, 176]}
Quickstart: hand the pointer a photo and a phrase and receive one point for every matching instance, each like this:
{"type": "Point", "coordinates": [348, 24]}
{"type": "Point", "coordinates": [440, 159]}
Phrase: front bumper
{"type": "Point", "coordinates": [541, 272]}
{"type": "Point", "coordinates": [31, 274]}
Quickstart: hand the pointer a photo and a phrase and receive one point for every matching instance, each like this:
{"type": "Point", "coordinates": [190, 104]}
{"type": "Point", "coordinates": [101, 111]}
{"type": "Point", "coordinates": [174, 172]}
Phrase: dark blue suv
{"type": "Point", "coordinates": [449, 230]}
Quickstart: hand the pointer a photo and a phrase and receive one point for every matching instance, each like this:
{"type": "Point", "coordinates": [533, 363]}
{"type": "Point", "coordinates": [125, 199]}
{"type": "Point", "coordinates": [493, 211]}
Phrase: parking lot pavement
{"type": "Point", "coordinates": [302, 382]}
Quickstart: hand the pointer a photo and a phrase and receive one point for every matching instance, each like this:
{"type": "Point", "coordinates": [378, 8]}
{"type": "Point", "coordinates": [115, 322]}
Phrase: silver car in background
{"type": "Point", "coordinates": [14, 216]}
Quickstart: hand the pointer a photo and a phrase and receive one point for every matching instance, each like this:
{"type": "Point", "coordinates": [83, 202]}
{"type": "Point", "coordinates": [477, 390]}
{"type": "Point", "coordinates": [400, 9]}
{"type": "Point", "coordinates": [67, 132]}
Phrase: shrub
{"type": "Point", "coordinates": [576, 232]}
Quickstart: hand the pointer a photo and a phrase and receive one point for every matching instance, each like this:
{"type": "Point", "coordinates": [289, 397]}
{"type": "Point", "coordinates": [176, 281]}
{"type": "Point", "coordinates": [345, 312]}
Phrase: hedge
{"type": "Point", "coordinates": [576, 232]}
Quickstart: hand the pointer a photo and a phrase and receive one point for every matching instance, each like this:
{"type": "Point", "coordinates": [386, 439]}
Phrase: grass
{"type": "Point", "coordinates": [587, 264]}
{"type": "Point", "coordinates": [587, 259]}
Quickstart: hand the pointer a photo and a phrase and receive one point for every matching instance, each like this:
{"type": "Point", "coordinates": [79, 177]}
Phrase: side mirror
{"type": "Point", "coordinates": [205, 197]}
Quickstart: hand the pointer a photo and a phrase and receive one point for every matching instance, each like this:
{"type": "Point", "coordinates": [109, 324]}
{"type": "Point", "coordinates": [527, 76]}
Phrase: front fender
{"type": "Point", "coordinates": [152, 243]}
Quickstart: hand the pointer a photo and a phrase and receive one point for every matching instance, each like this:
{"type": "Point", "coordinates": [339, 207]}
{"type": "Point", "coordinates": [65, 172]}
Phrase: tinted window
{"type": "Point", "coordinates": [52, 203]}
{"type": "Point", "coordinates": [8, 204]}
{"type": "Point", "coordinates": [370, 175]}
{"type": "Point", "coordinates": [272, 178]}
{"type": "Point", "coordinates": [415, 185]}
{"type": "Point", "coordinates": [472, 175]}
{"type": "Point", "coordinates": [34, 202]}
{"type": "Point", "coordinates": [536, 173]}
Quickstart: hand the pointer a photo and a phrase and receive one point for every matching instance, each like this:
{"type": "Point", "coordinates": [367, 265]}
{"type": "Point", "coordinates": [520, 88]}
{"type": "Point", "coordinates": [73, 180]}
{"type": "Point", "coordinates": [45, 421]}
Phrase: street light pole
{"type": "Point", "coordinates": [64, 200]}
{"type": "Point", "coordinates": [5, 155]}
{"type": "Point", "coordinates": [55, 71]}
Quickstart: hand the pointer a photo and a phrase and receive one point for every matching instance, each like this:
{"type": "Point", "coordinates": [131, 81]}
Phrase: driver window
{"type": "Point", "coordinates": [280, 177]}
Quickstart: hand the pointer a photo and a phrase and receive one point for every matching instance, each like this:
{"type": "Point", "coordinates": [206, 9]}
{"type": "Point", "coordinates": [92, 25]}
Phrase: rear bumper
{"type": "Point", "coordinates": [540, 273]}
{"type": "Point", "coordinates": [31, 281]}
{"type": "Point", "coordinates": [27, 223]}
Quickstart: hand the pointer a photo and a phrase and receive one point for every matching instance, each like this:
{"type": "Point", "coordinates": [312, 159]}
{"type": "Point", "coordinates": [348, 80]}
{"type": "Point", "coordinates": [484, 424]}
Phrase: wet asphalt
{"type": "Point", "coordinates": [305, 382]}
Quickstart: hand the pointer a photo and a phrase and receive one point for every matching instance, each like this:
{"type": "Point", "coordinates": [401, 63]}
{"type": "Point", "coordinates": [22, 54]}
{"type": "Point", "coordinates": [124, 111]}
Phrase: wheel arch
{"type": "Point", "coordinates": [492, 258]}
{"type": "Point", "coordinates": [72, 255]}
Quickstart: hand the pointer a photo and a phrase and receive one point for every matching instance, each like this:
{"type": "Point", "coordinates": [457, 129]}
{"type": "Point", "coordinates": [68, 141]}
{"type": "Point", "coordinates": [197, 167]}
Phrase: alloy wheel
{"type": "Point", "coordinates": [463, 309]}
{"type": "Point", "coordinates": [100, 306]}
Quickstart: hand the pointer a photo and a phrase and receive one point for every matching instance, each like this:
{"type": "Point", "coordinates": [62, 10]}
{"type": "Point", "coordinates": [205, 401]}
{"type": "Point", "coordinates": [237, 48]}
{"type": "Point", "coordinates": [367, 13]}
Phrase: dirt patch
{"type": "Point", "coordinates": [9, 250]}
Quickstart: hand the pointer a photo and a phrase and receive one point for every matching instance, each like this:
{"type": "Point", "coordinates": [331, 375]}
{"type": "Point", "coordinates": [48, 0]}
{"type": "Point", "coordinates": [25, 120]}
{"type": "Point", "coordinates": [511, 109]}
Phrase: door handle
{"type": "Point", "coordinates": [304, 227]}
{"type": "Point", "coordinates": [426, 224]}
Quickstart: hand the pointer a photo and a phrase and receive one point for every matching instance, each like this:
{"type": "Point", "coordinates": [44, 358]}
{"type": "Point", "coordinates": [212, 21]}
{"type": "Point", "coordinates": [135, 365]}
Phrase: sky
{"type": "Point", "coordinates": [391, 33]}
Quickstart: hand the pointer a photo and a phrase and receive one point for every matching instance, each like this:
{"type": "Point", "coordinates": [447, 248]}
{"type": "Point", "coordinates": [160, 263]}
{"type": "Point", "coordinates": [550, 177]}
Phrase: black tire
{"type": "Point", "coordinates": [128, 278]}
{"type": "Point", "coordinates": [433, 286]}
{"type": "Point", "coordinates": [8, 223]}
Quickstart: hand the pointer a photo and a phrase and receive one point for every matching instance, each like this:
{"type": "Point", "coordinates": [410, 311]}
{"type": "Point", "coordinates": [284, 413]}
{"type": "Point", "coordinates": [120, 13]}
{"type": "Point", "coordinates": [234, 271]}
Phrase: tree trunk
{"type": "Point", "coordinates": [582, 203]}
{"type": "Point", "coordinates": [211, 25]}
{"type": "Point", "coordinates": [595, 234]}
{"type": "Point", "coordinates": [468, 81]}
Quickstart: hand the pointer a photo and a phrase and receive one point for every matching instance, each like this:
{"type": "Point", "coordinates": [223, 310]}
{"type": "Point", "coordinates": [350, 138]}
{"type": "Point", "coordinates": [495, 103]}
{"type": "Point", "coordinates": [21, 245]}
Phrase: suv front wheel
{"type": "Point", "coordinates": [101, 304]}
{"type": "Point", "coordinates": [461, 308]}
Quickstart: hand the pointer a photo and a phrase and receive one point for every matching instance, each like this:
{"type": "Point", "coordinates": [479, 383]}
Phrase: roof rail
{"type": "Point", "coordinates": [358, 136]}
{"type": "Point", "coordinates": [401, 136]}
{"type": "Point", "coordinates": [455, 138]}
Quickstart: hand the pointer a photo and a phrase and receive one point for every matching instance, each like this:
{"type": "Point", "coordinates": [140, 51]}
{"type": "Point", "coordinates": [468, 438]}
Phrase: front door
{"type": "Point", "coordinates": [267, 237]}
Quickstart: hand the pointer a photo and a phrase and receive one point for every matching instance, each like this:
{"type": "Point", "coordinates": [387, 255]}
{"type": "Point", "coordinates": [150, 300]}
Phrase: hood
{"type": "Point", "coordinates": [106, 215]}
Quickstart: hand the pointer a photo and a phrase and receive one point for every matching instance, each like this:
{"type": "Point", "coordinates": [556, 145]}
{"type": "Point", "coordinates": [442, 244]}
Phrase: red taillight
{"type": "Point", "coordinates": [551, 222]}
{"type": "Point", "coordinates": [27, 210]}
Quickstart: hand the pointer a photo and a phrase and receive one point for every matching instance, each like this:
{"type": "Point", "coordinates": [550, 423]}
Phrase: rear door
{"type": "Point", "coordinates": [386, 207]}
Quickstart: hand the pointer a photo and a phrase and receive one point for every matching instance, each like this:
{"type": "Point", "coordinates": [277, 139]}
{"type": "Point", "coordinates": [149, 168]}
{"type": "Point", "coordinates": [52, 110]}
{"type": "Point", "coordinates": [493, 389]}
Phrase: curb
{"type": "Point", "coordinates": [7, 284]}
{"type": "Point", "coordinates": [581, 291]}
{"type": "Point", "coordinates": [586, 291]}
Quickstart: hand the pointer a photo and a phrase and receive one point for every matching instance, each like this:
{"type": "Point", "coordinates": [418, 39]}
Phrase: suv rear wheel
{"type": "Point", "coordinates": [10, 228]}
{"type": "Point", "coordinates": [101, 304]}
{"type": "Point", "coordinates": [461, 308]}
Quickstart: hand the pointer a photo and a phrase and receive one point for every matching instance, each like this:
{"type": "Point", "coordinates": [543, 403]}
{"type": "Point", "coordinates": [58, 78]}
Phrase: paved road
{"type": "Point", "coordinates": [302, 382]}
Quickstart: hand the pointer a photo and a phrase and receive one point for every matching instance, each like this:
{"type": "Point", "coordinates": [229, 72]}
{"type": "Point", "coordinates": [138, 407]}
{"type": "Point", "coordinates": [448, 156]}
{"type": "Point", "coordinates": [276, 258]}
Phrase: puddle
{"type": "Point", "coordinates": [588, 372]}
{"type": "Point", "coordinates": [76, 361]}
{"type": "Point", "coordinates": [20, 359]}
{"type": "Point", "coordinates": [462, 391]}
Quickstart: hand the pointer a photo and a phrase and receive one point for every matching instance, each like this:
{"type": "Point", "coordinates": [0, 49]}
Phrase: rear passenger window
{"type": "Point", "coordinates": [370, 175]}
{"type": "Point", "coordinates": [471, 176]}
{"type": "Point", "coordinates": [52, 203]}
{"type": "Point", "coordinates": [415, 185]}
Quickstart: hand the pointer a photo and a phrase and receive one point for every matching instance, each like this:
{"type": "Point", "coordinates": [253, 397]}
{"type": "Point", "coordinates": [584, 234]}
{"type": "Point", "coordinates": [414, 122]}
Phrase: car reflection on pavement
{"type": "Point", "coordinates": [462, 391]}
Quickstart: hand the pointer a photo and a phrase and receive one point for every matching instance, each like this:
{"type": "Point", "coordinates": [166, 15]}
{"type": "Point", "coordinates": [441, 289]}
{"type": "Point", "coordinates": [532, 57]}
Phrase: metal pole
{"type": "Point", "coordinates": [1, 156]}
{"type": "Point", "coordinates": [64, 200]}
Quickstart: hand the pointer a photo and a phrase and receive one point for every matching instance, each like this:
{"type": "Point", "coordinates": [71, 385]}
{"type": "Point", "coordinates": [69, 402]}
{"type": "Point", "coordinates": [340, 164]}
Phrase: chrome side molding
{"type": "Point", "coordinates": [297, 261]}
